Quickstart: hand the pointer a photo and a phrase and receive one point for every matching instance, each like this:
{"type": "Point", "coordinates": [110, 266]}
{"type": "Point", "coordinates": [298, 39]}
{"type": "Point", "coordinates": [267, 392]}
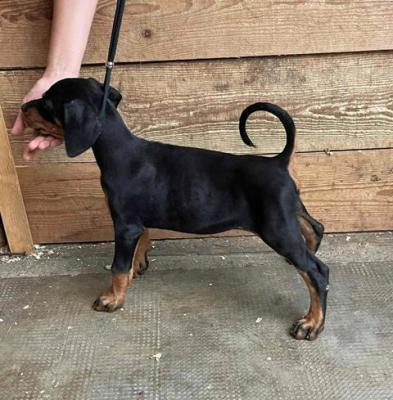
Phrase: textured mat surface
{"type": "Point", "coordinates": [191, 333]}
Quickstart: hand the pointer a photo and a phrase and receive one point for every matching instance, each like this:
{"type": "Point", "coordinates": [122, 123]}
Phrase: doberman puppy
{"type": "Point", "coordinates": [156, 185]}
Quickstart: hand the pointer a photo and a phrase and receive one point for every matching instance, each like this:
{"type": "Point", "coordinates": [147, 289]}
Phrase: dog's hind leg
{"type": "Point", "coordinates": [311, 229]}
{"type": "Point", "coordinates": [311, 238]}
{"type": "Point", "coordinates": [285, 238]}
{"type": "Point", "coordinates": [140, 261]}
{"type": "Point", "coordinates": [126, 241]}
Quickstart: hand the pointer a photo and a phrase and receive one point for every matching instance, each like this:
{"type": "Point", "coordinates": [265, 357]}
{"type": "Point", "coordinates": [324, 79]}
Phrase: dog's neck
{"type": "Point", "coordinates": [113, 141]}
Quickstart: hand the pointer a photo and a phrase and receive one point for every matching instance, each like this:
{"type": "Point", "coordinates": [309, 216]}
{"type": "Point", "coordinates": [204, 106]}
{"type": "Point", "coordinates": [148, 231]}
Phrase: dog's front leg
{"type": "Point", "coordinates": [126, 241]}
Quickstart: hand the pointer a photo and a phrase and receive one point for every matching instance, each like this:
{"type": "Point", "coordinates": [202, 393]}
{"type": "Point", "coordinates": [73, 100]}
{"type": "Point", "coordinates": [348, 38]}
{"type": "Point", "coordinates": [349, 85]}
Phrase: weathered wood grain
{"type": "Point", "coordinates": [337, 101]}
{"type": "Point", "coordinates": [347, 191]}
{"type": "Point", "coordinates": [196, 29]}
{"type": "Point", "coordinates": [12, 210]}
{"type": "Point", "coordinates": [350, 190]}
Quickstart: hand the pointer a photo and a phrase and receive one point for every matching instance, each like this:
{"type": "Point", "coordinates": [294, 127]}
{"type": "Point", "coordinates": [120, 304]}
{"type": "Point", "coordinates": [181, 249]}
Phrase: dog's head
{"type": "Point", "coordinates": [70, 111]}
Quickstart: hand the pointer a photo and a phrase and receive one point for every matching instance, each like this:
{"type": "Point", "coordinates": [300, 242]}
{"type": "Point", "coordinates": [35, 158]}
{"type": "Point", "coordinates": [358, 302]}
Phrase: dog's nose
{"type": "Point", "coordinates": [24, 107]}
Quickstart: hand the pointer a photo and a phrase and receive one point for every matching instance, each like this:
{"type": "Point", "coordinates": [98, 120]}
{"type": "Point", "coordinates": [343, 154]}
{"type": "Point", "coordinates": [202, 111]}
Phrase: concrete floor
{"type": "Point", "coordinates": [209, 320]}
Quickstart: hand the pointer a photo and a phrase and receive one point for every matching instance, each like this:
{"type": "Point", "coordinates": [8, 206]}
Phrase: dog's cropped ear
{"type": "Point", "coordinates": [81, 127]}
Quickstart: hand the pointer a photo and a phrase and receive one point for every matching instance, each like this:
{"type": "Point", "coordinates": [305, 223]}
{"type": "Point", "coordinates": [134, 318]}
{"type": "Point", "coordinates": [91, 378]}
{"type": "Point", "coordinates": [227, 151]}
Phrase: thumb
{"type": "Point", "coordinates": [18, 126]}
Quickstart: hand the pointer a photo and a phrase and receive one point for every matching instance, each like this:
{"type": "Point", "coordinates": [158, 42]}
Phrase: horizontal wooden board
{"type": "Point", "coordinates": [195, 29]}
{"type": "Point", "coordinates": [338, 102]}
{"type": "Point", "coordinates": [347, 191]}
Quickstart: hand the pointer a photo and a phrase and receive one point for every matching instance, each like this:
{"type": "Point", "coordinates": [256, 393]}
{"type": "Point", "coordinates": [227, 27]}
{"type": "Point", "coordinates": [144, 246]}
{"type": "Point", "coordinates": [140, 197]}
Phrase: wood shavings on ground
{"type": "Point", "coordinates": [10, 259]}
{"type": "Point", "coordinates": [37, 255]}
{"type": "Point", "coordinates": [156, 356]}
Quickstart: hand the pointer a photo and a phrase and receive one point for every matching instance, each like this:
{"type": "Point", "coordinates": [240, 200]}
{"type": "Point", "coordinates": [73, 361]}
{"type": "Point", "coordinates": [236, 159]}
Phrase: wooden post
{"type": "Point", "coordinates": [12, 208]}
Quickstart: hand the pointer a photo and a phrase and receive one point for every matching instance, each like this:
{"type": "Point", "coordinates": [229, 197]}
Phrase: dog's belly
{"type": "Point", "coordinates": [201, 217]}
{"type": "Point", "coordinates": [200, 228]}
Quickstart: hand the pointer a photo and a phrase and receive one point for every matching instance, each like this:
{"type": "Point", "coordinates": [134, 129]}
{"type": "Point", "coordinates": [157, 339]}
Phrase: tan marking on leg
{"type": "Point", "coordinates": [140, 253]}
{"type": "Point", "coordinates": [120, 282]}
{"type": "Point", "coordinates": [307, 230]}
{"type": "Point", "coordinates": [114, 297]}
{"type": "Point", "coordinates": [311, 324]}
{"type": "Point", "coordinates": [308, 233]}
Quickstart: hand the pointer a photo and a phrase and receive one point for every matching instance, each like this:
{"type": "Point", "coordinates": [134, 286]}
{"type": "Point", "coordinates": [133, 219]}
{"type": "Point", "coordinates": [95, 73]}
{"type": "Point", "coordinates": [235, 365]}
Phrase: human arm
{"type": "Point", "coordinates": [70, 29]}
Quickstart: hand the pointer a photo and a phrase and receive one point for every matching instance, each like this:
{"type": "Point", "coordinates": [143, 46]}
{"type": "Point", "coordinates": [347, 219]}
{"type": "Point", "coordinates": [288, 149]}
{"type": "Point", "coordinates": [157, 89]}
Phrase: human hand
{"type": "Point", "coordinates": [39, 142]}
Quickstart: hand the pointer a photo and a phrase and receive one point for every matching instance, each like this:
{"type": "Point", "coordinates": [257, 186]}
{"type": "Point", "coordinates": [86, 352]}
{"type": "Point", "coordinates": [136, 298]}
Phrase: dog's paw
{"type": "Point", "coordinates": [107, 304]}
{"type": "Point", "coordinates": [306, 329]}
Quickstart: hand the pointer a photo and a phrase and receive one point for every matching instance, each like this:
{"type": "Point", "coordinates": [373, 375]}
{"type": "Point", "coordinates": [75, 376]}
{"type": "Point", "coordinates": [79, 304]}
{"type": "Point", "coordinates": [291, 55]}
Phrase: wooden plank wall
{"type": "Point", "coordinates": [157, 30]}
{"type": "Point", "coordinates": [334, 75]}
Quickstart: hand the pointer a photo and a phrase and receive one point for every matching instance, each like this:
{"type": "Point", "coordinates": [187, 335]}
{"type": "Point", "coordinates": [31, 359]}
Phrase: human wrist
{"type": "Point", "coordinates": [53, 75]}
{"type": "Point", "coordinates": [47, 79]}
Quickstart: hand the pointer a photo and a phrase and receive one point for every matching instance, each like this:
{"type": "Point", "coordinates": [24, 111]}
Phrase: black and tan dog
{"type": "Point", "coordinates": [155, 185]}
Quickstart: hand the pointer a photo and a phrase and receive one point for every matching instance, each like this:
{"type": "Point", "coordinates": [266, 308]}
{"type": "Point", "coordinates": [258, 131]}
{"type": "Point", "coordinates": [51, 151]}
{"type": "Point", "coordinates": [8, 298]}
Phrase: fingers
{"type": "Point", "coordinates": [44, 145]}
{"type": "Point", "coordinates": [18, 126]}
{"type": "Point", "coordinates": [39, 143]}
{"type": "Point", "coordinates": [32, 147]}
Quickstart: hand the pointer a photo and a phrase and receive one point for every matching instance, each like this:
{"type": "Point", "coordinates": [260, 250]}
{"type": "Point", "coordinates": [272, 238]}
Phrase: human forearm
{"type": "Point", "coordinates": [71, 24]}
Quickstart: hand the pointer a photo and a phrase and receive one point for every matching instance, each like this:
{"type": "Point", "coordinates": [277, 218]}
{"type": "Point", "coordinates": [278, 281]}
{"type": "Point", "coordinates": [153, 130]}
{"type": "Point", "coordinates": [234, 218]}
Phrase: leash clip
{"type": "Point", "coordinates": [109, 64]}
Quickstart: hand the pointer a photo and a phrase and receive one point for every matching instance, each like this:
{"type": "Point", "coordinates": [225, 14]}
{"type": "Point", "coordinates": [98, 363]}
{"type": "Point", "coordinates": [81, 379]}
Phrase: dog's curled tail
{"type": "Point", "coordinates": [285, 119]}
